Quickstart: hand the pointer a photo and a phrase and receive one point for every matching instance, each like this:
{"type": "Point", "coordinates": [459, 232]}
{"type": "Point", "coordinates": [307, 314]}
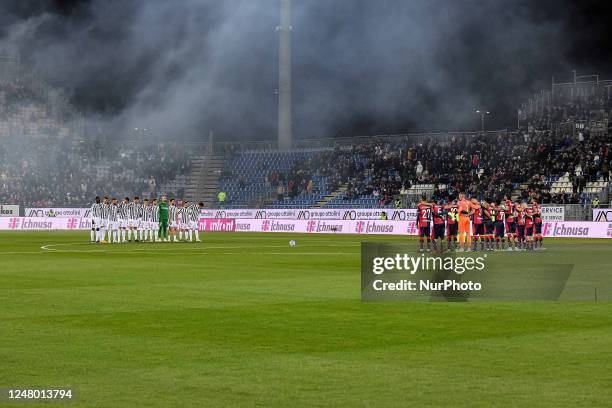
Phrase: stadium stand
{"type": "Point", "coordinates": [374, 173]}
{"type": "Point", "coordinates": [561, 154]}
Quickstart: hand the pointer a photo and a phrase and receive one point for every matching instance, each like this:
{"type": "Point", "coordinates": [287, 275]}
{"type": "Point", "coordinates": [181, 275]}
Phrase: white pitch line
{"type": "Point", "coordinates": [194, 253]}
{"type": "Point", "coordinates": [47, 249]}
{"type": "Point", "coordinates": [146, 250]}
{"type": "Point", "coordinates": [16, 252]}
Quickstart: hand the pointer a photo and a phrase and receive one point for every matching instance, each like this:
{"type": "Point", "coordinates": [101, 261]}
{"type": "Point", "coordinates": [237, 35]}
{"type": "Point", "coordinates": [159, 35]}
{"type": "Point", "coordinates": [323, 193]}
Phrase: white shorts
{"type": "Point", "coordinates": [133, 223]}
{"type": "Point", "coordinates": [154, 225]}
{"type": "Point", "coordinates": [123, 223]}
{"type": "Point", "coordinates": [173, 224]}
{"type": "Point", "coordinates": [112, 225]}
{"type": "Point", "coordinates": [193, 225]}
{"type": "Point", "coordinates": [95, 222]}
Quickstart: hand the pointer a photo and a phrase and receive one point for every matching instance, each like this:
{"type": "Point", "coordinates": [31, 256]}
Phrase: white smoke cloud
{"type": "Point", "coordinates": [185, 67]}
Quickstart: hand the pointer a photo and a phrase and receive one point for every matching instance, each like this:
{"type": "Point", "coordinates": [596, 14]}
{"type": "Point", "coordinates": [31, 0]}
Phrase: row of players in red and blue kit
{"type": "Point", "coordinates": [506, 225]}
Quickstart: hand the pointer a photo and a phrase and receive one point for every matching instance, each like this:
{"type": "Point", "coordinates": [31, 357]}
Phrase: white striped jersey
{"type": "Point", "coordinates": [172, 212]}
{"type": "Point", "coordinates": [183, 215]}
{"type": "Point", "coordinates": [96, 210]}
{"type": "Point", "coordinates": [123, 210]}
{"type": "Point", "coordinates": [194, 212]}
{"type": "Point", "coordinates": [113, 212]}
{"type": "Point", "coordinates": [104, 210]}
{"type": "Point", "coordinates": [135, 211]}
{"type": "Point", "coordinates": [146, 212]}
{"type": "Point", "coordinates": [154, 209]}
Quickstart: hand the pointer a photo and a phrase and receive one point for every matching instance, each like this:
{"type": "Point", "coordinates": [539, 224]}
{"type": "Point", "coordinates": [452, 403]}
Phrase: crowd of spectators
{"type": "Point", "coordinates": [14, 95]}
{"type": "Point", "coordinates": [487, 166]}
{"type": "Point", "coordinates": [490, 166]}
{"type": "Point", "coordinates": [66, 172]}
{"type": "Point", "coordinates": [46, 162]}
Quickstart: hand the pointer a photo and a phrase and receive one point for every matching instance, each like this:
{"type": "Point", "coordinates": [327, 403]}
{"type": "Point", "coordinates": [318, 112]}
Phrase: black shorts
{"type": "Point", "coordinates": [438, 231]}
{"type": "Point", "coordinates": [511, 227]}
{"type": "Point", "coordinates": [453, 230]}
{"type": "Point", "coordinates": [499, 229]}
{"type": "Point", "coordinates": [529, 231]}
{"type": "Point", "coordinates": [478, 229]}
{"type": "Point", "coordinates": [538, 228]}
{"type": "Point", "coordinates": [489, 228]}
{"type": "Point", "coordinates": [520, 230]}
{"type": "Point", "coordinates": [424, 231]}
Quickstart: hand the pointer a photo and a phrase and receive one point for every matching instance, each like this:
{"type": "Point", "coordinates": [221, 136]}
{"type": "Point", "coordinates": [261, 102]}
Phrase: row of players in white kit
{"type": "Point", "coordinates": [147, 221]}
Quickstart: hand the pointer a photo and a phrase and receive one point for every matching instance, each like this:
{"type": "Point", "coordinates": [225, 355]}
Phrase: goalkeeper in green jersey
{"type": "Point", "coordinates": [163, 219]}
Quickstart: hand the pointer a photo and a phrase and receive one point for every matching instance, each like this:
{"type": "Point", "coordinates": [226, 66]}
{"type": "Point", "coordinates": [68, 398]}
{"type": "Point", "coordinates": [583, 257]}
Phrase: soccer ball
{"type": "Point", "coordinates": [292, 243]}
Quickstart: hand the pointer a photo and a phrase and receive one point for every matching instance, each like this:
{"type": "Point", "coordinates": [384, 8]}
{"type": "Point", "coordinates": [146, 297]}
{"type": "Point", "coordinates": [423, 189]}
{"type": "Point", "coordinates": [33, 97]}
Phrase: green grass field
{"type": "Point", "coordinates": [245, 320]}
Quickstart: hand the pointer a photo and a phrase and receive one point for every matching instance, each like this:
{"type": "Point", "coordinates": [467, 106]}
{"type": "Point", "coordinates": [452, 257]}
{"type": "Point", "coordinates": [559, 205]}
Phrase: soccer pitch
{"type": "Point", "coordinates": [246, 320]}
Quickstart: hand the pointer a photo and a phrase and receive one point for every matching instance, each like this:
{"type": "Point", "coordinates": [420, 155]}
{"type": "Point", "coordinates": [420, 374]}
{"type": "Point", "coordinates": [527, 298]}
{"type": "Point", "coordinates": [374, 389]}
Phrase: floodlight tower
{"type": "Point", "coordinates": [285, 135]}
{"type": "Point", "coordinates": [482, 114]}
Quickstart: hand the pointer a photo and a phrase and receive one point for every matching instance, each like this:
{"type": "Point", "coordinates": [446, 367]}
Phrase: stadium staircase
{"type": "Point", "coordinates": [209, 186]}
{"type": "Point", "coordinates": [331, 196]}
{"type": "Point", "coordinates": [516, 192]}
{"type": "Point", "coordinates": [197, 166]}
{"type": "Point", "coordinates": [340, 200]}
{"type": "Point", "coordinates": [203, 182]}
